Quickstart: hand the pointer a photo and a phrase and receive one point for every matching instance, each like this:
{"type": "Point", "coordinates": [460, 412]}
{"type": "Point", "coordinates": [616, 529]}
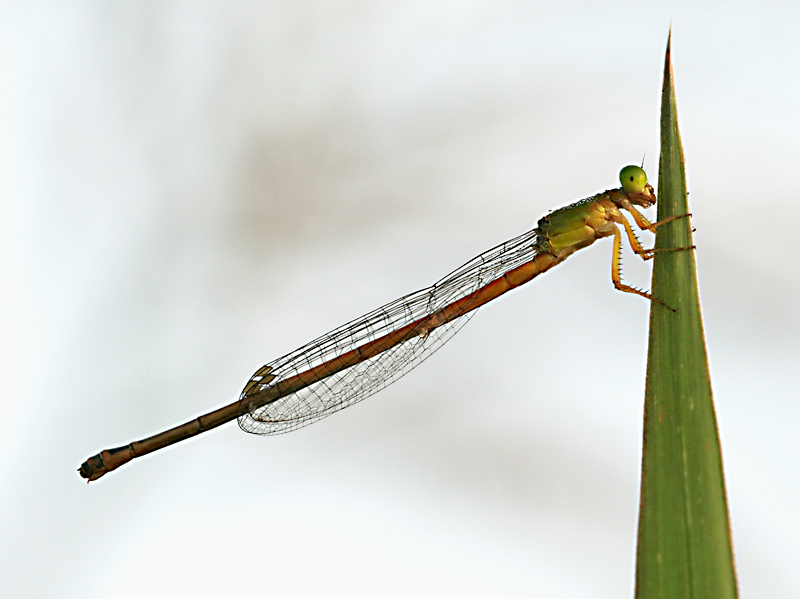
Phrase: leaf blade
{"type": "Point", "coordinates": [684, 545]}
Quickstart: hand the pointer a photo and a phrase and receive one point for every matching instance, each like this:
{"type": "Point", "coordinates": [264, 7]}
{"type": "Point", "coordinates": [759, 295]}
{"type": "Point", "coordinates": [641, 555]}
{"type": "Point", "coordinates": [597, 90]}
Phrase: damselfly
{"type": "Point", "coordinates": [363, 356]}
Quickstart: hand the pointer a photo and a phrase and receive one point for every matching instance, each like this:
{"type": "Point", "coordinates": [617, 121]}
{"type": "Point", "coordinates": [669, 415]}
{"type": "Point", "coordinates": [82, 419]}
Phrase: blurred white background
{"type": "Point", "coordinates": [191, 189]}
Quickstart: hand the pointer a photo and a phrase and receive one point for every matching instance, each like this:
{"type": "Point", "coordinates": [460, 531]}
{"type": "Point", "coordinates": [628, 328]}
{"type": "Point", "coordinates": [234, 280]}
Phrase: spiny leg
{"type": "Point", "coordinates": [639, 250]}
{"type": "Point", "coordinates": [644, 224]}
{"type": "Point", "coordinates": [616, 266]}
{"type": "Point", "coordinates": [636, 245]}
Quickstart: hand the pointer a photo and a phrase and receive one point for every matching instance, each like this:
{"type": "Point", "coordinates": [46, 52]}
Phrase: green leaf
{"type": "Point", "coordinates": [684, 546]}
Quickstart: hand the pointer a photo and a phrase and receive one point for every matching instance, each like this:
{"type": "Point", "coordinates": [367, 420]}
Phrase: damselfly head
{"type": "Point", "coordinates": [635, 186]}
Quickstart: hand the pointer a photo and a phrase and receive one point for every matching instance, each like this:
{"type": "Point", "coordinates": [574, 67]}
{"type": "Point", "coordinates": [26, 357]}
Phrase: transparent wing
{"type": "Point", "coordinates": [351, 385]}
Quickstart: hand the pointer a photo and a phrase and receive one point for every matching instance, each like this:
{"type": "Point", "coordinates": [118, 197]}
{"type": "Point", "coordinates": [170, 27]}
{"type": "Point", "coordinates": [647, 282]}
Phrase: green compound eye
{"type": "Point", "coordinates": [633, 178]}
